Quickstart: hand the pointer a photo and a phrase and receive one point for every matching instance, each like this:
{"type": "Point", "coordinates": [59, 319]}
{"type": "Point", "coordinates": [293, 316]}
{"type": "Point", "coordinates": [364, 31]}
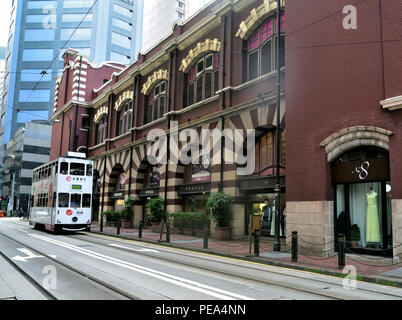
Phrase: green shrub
{"type": "Point", "coordinates": [155, 209]}
{"type": "Point", "coordinates": [112, 216]}
{"type": "Point", "coordinates": [219, 206]}
{"type": "Point", "coordinates": [190, 220]}
{"type": "Point", "coordinates": [128, 210]}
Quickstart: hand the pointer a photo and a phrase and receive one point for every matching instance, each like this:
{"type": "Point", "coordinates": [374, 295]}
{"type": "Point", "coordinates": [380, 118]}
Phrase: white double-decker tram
{"type": "Point", "coordinates": [61, 195]}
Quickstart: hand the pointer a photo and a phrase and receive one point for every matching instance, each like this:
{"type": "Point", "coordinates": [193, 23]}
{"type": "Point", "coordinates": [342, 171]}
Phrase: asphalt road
{"type": "Point", "coordinates": [85, 266]}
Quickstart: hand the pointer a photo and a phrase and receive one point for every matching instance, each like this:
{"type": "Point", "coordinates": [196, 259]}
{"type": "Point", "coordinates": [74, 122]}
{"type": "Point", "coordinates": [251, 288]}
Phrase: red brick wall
{"type": "Point", "coordinates": [334, 80]}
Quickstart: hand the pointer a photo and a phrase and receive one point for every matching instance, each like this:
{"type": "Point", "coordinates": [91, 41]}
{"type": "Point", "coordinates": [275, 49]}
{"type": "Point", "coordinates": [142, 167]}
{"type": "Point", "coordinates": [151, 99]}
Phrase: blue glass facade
{"type": "Point", "coordinates": [38, 31]}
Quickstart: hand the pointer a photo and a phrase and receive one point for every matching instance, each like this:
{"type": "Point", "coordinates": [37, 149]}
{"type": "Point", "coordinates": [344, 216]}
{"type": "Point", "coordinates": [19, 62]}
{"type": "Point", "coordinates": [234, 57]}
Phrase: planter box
{"type": "Point", "coordinates": [223, 234]}
{"type": "Point", "coordinates": [126, 224]}
{"type": "Point", "coordinates": [155, 226]}
{"type": "Point", "coordinates": [188, 232]}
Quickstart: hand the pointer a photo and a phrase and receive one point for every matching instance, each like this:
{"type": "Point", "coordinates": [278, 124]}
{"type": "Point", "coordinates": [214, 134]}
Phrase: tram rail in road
{"type": "Point", "coordinates": [294, 282]}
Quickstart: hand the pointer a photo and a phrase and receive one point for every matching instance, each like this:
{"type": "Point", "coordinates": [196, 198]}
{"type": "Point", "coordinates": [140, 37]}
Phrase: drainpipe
{"type": "Point", "coordinates": [223, 140]}
{"type": "Point", "coordinates": [277, 241]}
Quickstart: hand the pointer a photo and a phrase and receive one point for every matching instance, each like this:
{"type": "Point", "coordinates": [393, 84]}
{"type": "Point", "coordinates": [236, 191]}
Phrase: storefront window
{"type": "Point", "coordinates": [363, 198]}
{"type": "Point", "coordinates": [262, 214]}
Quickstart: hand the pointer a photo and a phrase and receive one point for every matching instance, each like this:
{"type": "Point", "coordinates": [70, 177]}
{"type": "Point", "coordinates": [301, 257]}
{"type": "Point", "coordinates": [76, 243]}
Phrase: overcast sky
{"type": "Point", "coordinates": [4, 21]}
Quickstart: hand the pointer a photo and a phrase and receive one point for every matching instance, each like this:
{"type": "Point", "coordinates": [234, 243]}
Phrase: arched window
{"type": "Point", "coordinates": [261, 47]}
{"type": "Point", "coordinates": [203, 79]}
{"type": "Point", "coordinates": [101, 130]}
{"type": "Point", "coordinates": [124, 118]}
{"type": "Point", "coordinates": [156, 102]}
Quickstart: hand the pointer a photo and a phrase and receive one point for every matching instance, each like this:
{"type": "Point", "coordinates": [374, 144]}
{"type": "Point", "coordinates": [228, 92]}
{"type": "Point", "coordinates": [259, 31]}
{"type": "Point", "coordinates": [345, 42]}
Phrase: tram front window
{"type": "Point", "coordinates": [63, 200]}
{"type": "Point", "coordinates": [86, 201]}
{"type": "Point", "coordinates": [77, 169]}
{"type": "Point", "coordinates": [89, 170]}
{"type": "Point", "coordinates": [75, 200]}
{"type": "Point", "coordinates": [64, 168]}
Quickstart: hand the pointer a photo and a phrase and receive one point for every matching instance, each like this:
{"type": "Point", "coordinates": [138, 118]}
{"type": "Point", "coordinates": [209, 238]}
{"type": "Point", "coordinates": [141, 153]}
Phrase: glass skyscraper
{"type": "Point", "coordinates": [110, 31]}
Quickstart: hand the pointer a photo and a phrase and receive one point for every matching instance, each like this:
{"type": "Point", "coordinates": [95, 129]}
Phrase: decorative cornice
{"type": "Point", "coordinates": [127, 95]}
{"type": "Point", "coordinates": [392, 103]}
{"type": "Point", "coordinates": [156, 77]}
{"type": "Point", "coordinates": [201, 48]}
{"type": "Point", "coordinates": [100, 113]}
{"type": "Point", "coordinates": [256, 17]}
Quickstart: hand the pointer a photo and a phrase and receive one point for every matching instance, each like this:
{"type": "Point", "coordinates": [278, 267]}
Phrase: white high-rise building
{"type": "Point", "coordinates": [160, 16]}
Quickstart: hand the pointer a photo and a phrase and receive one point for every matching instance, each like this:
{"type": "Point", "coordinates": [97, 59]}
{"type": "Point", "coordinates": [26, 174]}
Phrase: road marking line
{"type": "Point", "coordinates": [139, 250]}
{"type": "Point", "coordinates": [314, 274]}
{"type": "Point", "coordinates": [192, 285]}
{"type": "Point", "coordinates": [30, 255]}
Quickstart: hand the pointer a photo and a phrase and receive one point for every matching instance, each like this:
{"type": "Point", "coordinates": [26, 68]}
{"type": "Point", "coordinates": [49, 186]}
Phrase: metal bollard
{"type": "Point", "coordinates": [101, 224]}
{"type": "Point", "coordinates": [206, 234]}
{"type": "Point", "coordinates": [168, 232]}
{"type": "Point", "coordinates": [341, 251]}
{"type": "Point", "coordinates": [141, 225]}
{"type": "Point", "coordinates": [294, 246]}
{"type": "Point", "coordinates": [118, 224]}
{"type": "Point", "coordinates": [256, 243]}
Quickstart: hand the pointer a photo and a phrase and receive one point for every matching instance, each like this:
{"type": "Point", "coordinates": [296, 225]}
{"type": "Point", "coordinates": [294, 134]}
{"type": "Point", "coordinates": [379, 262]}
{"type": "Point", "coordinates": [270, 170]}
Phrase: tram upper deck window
{"type": "Point", "coordinates": [63, 200]}
{"type": "Point", "coordinates": [89, 170]}
{"type": "Point", "coordinates": [86, 201]}
{"type": "Point", "coordinates": [77, 169]}
{"type": "Point", "coordinates": [75, 200]}
{"type": "Point", "coordinates": [64, 168]}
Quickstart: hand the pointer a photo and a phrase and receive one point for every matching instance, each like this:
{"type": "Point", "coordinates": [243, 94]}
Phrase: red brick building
{"type": "Point", "coordinates": [343, 121]}
{"type": "Point", "coordinates": [216, 71]}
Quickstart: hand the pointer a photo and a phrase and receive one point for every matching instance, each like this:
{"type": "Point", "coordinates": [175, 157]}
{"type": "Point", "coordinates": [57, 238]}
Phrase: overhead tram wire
{"type": "Point", "coordinates": [44, 72]}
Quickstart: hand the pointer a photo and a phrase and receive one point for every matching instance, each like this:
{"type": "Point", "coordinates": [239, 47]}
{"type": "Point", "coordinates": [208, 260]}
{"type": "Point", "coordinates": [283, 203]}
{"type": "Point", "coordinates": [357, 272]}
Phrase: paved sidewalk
{"type": "Point", "coordinates": [369, 268]}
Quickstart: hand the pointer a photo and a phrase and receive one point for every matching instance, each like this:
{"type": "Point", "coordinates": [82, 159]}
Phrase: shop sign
{"type": "Point", "coordinates": [154, 177]}
{"type": "Point", "coordinates": [117, 195]}
{"type": "Point", "coordinates": [198, 188]}
{"type": "Point", "coordinates": [361, 171]}
{"type": "Point", "coordinates": [201, 173]}
{"type": "Point", "coordinates": [149, 192]}
{"type": "Point", "coordinates": [122, 178]}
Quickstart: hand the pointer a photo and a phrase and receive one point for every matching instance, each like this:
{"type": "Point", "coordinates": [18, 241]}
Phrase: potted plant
{"type": "Point", "coordinates": [155, 212]}
{"type": "Point", "coordinates": [127, 213]}
{"type": "Point", "coordinates": [219, 206]}
{"type": "Point", "coordinates": [355, 235]}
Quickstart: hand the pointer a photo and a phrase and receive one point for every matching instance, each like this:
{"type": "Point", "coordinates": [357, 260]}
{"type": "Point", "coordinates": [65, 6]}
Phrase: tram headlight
{"type": "Point", "coordinates": [69, 212]}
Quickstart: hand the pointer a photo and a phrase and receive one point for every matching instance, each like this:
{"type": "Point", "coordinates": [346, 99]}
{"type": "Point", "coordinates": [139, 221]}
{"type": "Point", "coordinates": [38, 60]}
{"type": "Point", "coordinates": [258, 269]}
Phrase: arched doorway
{"type": "Point", "coordinates": [117, 183]}
{"type": "Point", "coordinates": [362, 188]}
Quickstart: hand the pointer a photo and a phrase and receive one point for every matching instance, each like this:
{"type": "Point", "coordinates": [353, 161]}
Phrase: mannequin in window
{"type": "Point", "coordinates": [372, 222]}
{"type": "Point", "coordinates": [266, 219]}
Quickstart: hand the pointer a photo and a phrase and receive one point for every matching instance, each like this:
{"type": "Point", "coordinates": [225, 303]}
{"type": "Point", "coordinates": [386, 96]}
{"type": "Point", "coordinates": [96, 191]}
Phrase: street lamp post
{"type": "Point", "coordinates": [277, 241]}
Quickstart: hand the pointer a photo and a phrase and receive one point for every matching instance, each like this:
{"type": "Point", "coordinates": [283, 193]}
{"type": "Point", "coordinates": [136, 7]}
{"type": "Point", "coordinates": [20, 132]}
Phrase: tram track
{"type": "Point", "coordinates": [243, 273]}
{"type": "Point", "coordinates": [46, 292]}
{"type": "Point", "coordinates": [31, 280]}
{"type": "Point", "coordinates": [247, 276]}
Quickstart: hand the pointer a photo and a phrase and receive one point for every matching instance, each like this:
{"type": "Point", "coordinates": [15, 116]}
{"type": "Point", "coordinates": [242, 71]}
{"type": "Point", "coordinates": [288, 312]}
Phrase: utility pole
{"type": "Point", "coordinates": [277, 241]}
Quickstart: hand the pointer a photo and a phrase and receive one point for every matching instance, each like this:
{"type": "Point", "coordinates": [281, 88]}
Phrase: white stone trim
{"type": "Point", "coordinates": [394, 103]}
